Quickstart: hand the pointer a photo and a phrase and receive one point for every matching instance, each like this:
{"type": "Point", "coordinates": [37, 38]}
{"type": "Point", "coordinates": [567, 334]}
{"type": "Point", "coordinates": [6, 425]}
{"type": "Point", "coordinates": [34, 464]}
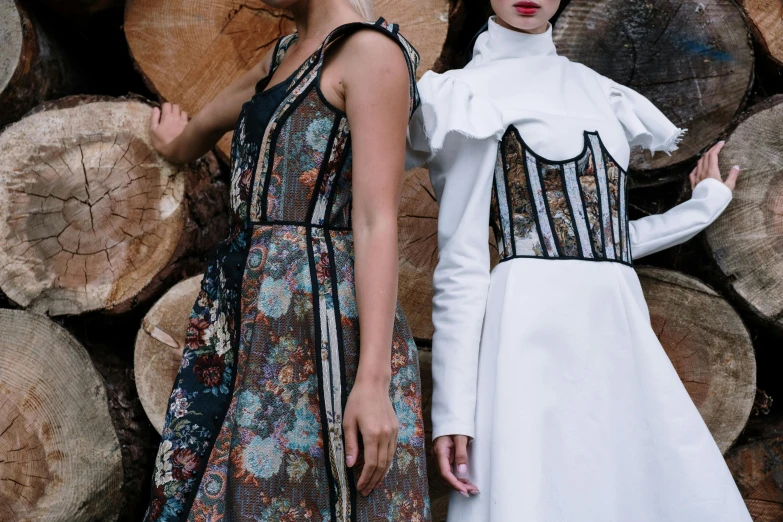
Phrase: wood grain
{"type": "Point", "coordinates": [692, 59]}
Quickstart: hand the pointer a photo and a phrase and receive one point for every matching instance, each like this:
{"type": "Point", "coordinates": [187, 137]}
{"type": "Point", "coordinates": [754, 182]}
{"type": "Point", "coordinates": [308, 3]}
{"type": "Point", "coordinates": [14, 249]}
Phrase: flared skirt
{"type": "Point", "coordinates": [580, 414]}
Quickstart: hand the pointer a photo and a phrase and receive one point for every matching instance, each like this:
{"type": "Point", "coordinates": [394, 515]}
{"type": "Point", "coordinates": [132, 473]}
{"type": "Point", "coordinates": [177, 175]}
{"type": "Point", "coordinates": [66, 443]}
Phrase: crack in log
{"type": "Point", "coordinates": [9, 425]}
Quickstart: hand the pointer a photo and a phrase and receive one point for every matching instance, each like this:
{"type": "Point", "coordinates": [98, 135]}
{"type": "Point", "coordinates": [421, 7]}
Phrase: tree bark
{"type": "Point", "coordinates": [693, 60]}
{"type": "Point", "coordinates": [709, 347]}
{"type": "Point", "coordinates": [746, 242]}
{"type": "Point", "coordinates": [32, 66]}
{"type": "Point", "coordinates": [60, 453]}
{"type": "Point", "coordinates": [91, 217]}
{"type": "Point", "coordinates": [188, 52]}
{"type": "Point", "coordinates": [159, 345]}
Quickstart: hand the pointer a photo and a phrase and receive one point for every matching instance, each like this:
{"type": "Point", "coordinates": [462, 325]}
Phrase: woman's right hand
{"type": "Point", "coordinates": [451, 452]}
{"type": "Point", "coordinates": [166, 124]}
{"type": "Point", "coordinates": [707, 167]}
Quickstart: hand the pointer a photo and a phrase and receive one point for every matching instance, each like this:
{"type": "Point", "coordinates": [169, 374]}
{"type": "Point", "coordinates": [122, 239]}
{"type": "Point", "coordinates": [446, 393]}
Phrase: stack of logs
{"type": "Point", "coordinates": [102, 241]}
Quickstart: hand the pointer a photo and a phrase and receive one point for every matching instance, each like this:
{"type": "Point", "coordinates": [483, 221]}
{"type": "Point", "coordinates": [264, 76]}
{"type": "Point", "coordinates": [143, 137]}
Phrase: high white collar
{"type": "Point", "coordinates": [499, 43]}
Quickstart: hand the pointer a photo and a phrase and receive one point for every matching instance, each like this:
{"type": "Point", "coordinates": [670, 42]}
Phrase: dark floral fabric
{"type": "Point", "coordinates": [254, 428]}
{"type": "Point", "coordinates": [571, 209]}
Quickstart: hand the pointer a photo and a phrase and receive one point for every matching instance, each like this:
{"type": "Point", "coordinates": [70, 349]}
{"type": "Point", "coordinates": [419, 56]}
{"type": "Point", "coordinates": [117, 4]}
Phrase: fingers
{"type": "Point", "coordinates": [379, 447]}
{"type": "Point", "coordinates": [708, 166]}
{"type": "Point", "coordinates": [370, 465]}
{"type": "Point", "coordinates": [731, 179]}
{"type": "Point", "coordinates": [461, 463]}
{"type": "Point", "coordinates": [713, 170]}
{"type": "Point", "coordinates": [380, 468]}
{"type": "Point", "coordinates": [351, 434]}
{"type": "Point", "coordinates": [172, 110]}
{"type": "Point", "coordinates": [461, 455]}
{"type": "Point", "coordinates": [392, 451]}
{"type": "Point", "coordinates": [445, 457]}
{"type": "Point", "coordinates": [155, 118]}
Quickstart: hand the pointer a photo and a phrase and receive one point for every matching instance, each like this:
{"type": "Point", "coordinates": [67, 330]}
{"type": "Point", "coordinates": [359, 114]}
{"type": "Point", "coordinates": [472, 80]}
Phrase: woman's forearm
{"type": "Point", "coordinates": [375, 267]}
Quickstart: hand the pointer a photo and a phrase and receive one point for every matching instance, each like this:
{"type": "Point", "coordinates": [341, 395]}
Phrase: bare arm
{"type": "Point", "coordinates": [376, 90]}
{"type": "Point", "coordinates": [181, 140]}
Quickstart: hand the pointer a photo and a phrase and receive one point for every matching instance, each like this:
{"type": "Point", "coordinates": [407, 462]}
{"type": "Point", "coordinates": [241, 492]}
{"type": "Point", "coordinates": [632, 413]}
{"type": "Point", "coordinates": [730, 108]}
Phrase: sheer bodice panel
{"type": "Point", "coordinates": [572, 209]}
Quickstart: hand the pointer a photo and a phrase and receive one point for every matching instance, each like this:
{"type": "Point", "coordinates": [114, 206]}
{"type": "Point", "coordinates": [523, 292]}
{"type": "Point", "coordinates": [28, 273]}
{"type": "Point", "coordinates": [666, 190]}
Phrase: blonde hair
{"type": "Point", "coordinates": [366, 8]}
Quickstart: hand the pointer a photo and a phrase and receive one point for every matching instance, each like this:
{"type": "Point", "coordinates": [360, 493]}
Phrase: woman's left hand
{"type": "Point", "coordinates": [708, 168]}
{"type": "Point", "coordinates": [369, 411]}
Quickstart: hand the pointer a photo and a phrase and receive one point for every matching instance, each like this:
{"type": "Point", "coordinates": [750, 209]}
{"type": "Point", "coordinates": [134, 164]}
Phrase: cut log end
{"type": "Point", "coordinates": [745, 241]}
{"type": "Point", "coordinates": [159, 346]}
{"type": "Point", "coordinates": [11, 39]}
{"type": "Point", "coordinates": [765, 17]}
{"type": "Point", "coordinates": [693, 60]}
{"type": "Point", "coordinates": [709, 347]}
{"type": "Point", "coordinates": [33, 66]}
{"type": "Point", "coordinates": [757, 467]}
{"type": "Point", "coordinates": [90, 213]}
{"type": "Point", "coordinates": [60, 454]}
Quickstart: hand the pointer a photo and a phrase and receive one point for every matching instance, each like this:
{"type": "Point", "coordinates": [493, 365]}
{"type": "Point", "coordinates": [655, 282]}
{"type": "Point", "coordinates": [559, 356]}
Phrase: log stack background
{"type": "Point", "coordinates": [102, 242]}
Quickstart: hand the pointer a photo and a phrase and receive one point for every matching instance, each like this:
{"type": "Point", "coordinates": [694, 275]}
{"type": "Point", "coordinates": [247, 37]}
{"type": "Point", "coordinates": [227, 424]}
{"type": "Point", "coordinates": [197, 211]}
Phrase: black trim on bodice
{"type": "Point", "coordinates": [569, 209]}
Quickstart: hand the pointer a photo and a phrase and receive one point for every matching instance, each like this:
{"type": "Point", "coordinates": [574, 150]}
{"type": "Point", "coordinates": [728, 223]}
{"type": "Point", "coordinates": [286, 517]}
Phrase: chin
{"type": "Point", "coordinates": [279, 4]}
{"type": "Point", "coordinates": [525, 23]}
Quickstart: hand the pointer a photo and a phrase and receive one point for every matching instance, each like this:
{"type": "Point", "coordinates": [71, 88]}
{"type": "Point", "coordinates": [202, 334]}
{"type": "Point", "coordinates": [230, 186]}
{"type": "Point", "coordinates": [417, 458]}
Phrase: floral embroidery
{"type": "Point", "coordinates": [253, 429]}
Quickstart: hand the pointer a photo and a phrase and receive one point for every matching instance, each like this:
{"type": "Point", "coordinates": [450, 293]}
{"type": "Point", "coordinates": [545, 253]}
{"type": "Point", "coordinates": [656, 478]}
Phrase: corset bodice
{"type": "Point", "coordinates": [571, 209]}
{"type": "Point", "coordinates": [291, 160]}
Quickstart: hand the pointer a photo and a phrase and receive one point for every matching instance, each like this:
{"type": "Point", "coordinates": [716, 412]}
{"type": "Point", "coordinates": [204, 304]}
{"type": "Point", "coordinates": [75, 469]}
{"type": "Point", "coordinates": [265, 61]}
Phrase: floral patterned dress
{"type": "Point", "coordinates": [254, 426]}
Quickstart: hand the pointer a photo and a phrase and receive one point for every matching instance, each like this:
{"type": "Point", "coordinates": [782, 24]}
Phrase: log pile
{"type": "Point", "coordinates": [91, 217]}
{"type": "Point", "coordinates": [100, 232]}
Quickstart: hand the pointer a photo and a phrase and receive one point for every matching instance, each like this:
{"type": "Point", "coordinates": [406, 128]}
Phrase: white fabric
{"type": "Point", "coordinates": [551, 366]}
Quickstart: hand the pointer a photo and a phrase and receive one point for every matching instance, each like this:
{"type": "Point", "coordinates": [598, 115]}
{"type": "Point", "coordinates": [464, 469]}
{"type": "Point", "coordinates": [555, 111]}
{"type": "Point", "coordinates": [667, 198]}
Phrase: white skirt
{"type": "Point", "coordinates": [581, 416]}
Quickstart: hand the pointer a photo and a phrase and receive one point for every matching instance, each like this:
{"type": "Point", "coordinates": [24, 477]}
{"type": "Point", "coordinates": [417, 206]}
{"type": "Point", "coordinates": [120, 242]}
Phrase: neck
{"type": "Point", "coordinates": [314, 19]}
{"type": "Point", "coordinates": [537, 30]}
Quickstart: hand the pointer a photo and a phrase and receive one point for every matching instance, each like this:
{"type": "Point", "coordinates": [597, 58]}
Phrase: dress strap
{"type": "Point", "coordinates": [281, 47]}
{"type": "Point", "coordinates": [283, 43]}
{"type": "Point", "coordinates": [390, 30]}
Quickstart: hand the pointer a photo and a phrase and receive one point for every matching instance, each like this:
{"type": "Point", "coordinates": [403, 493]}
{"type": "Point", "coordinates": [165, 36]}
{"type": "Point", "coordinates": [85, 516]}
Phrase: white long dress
{"type": "Point", "coordinates": [549, 362]}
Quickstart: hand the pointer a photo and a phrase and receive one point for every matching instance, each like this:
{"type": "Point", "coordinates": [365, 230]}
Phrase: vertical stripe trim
{"type": "Point", "coordinates": [316, 298]}
{"type": "Point", "coordinates": [541, 213]}
{"type": "Point", "coordinates": [576, 206]}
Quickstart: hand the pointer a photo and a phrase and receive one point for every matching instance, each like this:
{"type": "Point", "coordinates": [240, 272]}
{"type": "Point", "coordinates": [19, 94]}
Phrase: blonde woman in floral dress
{"type": "Point", "coordinates": [275, 392]}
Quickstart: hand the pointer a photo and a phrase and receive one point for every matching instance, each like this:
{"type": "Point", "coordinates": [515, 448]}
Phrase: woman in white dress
{"type": "Point", "coordinates": [549, 364]}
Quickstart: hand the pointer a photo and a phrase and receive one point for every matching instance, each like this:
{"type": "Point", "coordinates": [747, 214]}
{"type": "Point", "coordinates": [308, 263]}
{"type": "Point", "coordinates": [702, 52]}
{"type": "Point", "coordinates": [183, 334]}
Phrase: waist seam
{"type": "Point", "coordinates": [253, 224]}
{"type": "Point", "coordinates": [572, 258]}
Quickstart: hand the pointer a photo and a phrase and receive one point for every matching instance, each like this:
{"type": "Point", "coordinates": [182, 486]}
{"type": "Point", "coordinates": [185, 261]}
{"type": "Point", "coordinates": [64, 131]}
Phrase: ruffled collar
{"type": "Point", "coordinates": [499, 43]}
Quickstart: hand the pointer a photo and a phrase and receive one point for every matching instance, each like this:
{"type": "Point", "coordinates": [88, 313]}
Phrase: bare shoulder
{"type": "Point", "coordinates": [370, 50]}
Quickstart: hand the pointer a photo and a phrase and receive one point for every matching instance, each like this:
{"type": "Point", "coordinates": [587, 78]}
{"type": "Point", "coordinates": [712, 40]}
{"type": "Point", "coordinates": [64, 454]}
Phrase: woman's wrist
{"type": "Point", "coordinates": [373, 377]}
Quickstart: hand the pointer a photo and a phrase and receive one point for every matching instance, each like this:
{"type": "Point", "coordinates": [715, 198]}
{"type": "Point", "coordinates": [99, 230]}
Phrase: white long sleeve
{"type": "Point", "coordinates": [462, 177]}
{"type": "Point", "coordinates": [652, 234]}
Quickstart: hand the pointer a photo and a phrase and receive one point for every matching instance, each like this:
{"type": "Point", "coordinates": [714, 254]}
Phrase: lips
{"type": "Point", "coordinates": [526, 8]}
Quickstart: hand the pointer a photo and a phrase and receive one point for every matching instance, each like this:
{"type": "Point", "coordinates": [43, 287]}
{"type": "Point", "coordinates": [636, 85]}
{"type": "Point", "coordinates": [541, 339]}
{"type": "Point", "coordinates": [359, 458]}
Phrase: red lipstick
{"type": "Point", "coordinates": [527, 8]}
